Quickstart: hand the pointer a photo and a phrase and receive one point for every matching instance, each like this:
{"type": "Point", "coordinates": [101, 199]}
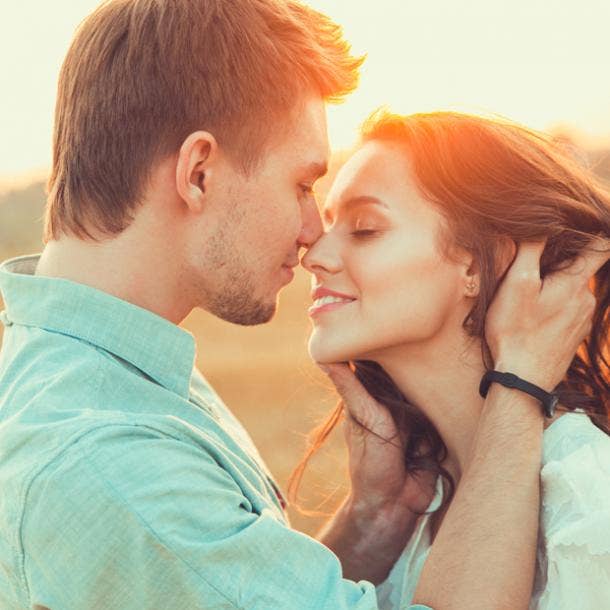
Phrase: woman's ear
{"type": "Point", "coordinates": [472, 279]}
{"type": "Point", "coordinates": [196, 159]}
{"type": "Point", "coordinates": [505, 251]}
{"type": "Point", "coordinates": [470, 270]}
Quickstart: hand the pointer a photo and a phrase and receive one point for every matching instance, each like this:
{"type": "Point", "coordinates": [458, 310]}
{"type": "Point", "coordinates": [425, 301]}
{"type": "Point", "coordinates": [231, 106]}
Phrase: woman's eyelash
{"type": "Point", "coordinates": [363, 233]}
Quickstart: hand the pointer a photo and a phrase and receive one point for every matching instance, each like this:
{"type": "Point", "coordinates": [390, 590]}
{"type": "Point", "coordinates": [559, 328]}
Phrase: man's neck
{"type": "Point", "coordinates": [125, 266]}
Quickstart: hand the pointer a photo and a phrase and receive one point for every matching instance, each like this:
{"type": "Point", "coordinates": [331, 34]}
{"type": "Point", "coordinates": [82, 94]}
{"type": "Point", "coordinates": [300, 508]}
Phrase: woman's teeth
{"type": "Point", "coordinates": [328, 300]}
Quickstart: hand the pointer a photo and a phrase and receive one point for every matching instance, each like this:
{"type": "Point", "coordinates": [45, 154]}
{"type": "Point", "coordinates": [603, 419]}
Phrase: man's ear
{"type": "Point", "coordinates": [194, 168]}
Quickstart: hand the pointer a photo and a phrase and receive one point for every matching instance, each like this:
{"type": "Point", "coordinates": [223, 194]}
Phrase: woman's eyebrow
{"type": "Point", "coordinates": [352, 203]}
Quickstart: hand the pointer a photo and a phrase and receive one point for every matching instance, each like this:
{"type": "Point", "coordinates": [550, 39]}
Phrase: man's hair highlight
{"type": "Point", "coordinates": [141, 75]}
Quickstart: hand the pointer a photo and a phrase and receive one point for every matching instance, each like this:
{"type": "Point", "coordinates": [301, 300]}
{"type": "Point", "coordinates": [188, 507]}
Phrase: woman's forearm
{"type": "Point", "coordinates": [367, 542]}
{"type": "Point", "coordinates": [484, 554]}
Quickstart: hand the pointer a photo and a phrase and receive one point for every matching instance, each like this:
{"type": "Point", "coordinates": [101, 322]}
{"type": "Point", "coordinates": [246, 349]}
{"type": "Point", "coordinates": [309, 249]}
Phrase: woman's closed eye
{"type": "Point", "coordinates": [365, 227]}
{"type": "Point", "coordinates": [363, 233]}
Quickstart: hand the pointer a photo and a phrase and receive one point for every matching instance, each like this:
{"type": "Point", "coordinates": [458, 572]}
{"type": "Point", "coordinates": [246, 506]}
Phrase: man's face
{"type": "Point", "coordinates": [260, 221]}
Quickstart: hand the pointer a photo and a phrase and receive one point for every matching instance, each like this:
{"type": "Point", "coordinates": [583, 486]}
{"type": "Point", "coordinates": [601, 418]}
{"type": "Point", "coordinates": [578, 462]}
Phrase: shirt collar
{"type": "Point", "coordinates": [160, 349]}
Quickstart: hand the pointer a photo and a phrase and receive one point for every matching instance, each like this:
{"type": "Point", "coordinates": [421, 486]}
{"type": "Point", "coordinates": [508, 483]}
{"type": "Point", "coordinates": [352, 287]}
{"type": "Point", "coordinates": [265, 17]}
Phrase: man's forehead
{"type": "Point", "coordinates": [304, 144]}
{"type": "Point", "coordinates": [310, 128]}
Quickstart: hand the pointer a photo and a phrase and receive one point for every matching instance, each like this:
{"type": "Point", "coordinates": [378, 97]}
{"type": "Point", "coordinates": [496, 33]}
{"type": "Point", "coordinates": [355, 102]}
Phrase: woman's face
{"type": "Point", "coordinates": [381, 258]}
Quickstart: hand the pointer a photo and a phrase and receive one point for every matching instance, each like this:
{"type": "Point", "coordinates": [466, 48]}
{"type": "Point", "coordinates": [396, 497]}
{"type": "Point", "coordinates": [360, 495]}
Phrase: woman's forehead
{"type": "Point", "coordinates": [376, 170]}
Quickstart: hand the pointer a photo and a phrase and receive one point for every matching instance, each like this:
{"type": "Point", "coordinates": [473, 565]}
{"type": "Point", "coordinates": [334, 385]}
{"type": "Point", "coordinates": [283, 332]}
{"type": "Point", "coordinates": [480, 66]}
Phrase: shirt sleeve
{"type": "Point", "coordinates": [137, 519]}
{"type": "Point", "coordinates": [576, 509]}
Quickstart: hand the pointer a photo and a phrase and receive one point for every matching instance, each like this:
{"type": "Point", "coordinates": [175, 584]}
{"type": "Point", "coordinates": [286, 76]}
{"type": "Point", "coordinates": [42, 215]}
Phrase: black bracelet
{"type": "Point", "coordinates": [549, 400]}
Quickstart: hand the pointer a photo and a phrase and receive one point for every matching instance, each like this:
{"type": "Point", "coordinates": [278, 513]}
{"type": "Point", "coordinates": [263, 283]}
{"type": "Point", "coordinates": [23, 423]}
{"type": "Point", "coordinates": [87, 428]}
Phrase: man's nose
{"type": "Point", "coordinates": [311, 224]}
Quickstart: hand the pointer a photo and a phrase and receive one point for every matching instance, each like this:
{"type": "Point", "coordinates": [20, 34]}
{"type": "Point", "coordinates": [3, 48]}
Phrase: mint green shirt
{"type": "Point", "coordinates": [126, 483]}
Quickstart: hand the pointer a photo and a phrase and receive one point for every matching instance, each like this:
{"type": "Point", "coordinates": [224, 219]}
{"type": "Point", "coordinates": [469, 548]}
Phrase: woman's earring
{"type": "Point", "coordinates": [471, 287]}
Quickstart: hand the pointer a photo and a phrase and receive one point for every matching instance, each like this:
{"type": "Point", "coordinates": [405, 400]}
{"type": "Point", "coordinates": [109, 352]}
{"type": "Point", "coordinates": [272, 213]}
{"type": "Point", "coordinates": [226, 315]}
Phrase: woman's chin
{"type": "Point", "coordinates": [324, 352]}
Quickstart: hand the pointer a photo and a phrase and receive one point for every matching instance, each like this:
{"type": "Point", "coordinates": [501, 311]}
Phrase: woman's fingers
{"type": "Point", "coordinates": [580, 272]}
{"type": "Point", "coordinates": [525, 269]}
{"type": "Point", "coordinates": [535, 327]}
{"type": "Point", "coordinates": [360, 405]}
{"type": "Point", "coordinates": [595, 258]}
{"type": "Point", "coordinates": [526, 266]}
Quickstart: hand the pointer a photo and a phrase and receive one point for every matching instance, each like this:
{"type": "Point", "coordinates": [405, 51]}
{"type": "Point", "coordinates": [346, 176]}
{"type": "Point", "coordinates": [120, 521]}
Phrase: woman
{"type": "Point", "coordinates": [423, 221]}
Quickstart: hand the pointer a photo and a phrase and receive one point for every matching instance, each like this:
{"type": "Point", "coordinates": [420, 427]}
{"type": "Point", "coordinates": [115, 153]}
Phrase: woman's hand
{"type": "Point", "coordinates": [534, 326]}
{"type": "Point", "coordinates": [370, 530]}
{"type": "Point", "coordinates": [379, 479]}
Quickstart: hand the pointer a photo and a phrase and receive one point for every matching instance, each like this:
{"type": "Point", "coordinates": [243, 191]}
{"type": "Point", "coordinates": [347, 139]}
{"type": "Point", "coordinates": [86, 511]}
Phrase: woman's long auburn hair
{"type": "Point", "coordinates": [493, 181]}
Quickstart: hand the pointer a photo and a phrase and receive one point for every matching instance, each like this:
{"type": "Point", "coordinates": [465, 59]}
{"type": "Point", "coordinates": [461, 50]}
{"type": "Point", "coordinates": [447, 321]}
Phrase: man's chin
{"type": "Point", "coordinates": [263, 316]}
{"type": "Point", "coordinates": [251, 314]}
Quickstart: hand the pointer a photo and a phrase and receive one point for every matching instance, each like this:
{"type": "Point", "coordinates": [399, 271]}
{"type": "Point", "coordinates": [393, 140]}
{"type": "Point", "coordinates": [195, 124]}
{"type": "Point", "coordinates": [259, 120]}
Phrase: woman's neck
{"type": "Point", "coordinates": [442, 380]}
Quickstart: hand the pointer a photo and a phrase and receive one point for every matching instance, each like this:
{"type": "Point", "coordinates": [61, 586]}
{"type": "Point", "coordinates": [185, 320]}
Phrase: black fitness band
{"type": "Point", "coordinates": [549, 400]}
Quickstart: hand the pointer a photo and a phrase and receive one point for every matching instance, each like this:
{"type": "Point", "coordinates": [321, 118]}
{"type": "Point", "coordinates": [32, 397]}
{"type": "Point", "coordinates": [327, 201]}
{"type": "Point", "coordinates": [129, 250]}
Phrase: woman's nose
{"type": "Point", "coordinates": [323, 256]}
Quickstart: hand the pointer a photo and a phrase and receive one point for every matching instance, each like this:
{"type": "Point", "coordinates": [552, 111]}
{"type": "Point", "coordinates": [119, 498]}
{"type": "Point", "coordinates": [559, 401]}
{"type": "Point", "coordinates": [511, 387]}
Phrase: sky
{"type": "Point", "coordinates": [540, 62]}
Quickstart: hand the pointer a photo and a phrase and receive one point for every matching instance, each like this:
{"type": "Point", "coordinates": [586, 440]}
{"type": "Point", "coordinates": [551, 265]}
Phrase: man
{"type": "Point", "coordinates": [188, 136]}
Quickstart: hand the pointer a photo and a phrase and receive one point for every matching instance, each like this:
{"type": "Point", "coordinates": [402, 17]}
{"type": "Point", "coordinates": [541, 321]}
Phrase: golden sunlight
{"type": "Point", "coordinates": [539, 63]}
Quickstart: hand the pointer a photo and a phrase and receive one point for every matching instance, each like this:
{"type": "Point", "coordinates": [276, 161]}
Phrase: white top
{"type": "Point", "coordinates": [573, 559]}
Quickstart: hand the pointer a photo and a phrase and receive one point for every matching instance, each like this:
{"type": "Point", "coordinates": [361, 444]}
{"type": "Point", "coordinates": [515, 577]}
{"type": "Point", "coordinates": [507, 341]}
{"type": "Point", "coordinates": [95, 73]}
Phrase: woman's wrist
{"type": "Point", "coordinates": [518, 413]}
{"type": "Point", "coordinates": [534, 372]}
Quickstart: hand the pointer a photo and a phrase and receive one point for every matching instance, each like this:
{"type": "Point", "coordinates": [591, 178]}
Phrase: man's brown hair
{"type": "Point", "coordinates": [141, 75]}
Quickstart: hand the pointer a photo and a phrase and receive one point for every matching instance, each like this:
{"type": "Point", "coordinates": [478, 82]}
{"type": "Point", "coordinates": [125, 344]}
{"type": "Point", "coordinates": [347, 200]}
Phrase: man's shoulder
{"type": "Point", "coordinates": [110, 438]}
{"type": "Point", "coordinates": [70, 402]}
{"type": "Point", "coordinates": [121, 458]}
{"type": "Point", "coordinates": [101, 438]}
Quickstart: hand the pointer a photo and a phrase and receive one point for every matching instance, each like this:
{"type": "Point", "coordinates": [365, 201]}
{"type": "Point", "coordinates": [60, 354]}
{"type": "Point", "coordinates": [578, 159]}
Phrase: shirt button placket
{"type": "Point", "coordinates": [207, 408]}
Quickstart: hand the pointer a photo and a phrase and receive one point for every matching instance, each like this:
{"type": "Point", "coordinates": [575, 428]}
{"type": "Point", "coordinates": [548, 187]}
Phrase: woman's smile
{"type": "Point", "coordinates": [327, 300]}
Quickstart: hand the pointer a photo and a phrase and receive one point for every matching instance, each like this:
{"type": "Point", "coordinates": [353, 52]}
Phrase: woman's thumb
{"type": "Point", "coordinates": [343, 379]}
{"type": "Point", "coordinates": [358, 402]}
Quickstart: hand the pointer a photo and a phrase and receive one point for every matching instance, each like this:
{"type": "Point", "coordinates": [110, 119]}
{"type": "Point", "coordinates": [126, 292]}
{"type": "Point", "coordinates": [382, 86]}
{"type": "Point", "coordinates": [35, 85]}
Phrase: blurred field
{"type": "Point", "coordinates": [263, 373]}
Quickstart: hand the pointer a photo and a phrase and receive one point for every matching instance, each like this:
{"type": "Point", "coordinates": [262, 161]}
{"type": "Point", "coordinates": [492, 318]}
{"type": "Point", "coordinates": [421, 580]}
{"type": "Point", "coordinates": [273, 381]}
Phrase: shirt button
{"type": "Point", "coordinates": [4, 318]}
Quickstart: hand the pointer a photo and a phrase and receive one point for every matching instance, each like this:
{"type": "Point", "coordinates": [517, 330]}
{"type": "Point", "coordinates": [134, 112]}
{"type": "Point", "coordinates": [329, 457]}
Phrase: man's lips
{"type": "Point", "coordinates": [291, 264]}
{"type": "Point", "coordinates": [287, 270]}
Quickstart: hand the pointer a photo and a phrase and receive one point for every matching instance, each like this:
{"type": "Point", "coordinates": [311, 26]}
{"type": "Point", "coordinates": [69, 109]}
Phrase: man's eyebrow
{"type": "Point", "coordinates": [354, 202]}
